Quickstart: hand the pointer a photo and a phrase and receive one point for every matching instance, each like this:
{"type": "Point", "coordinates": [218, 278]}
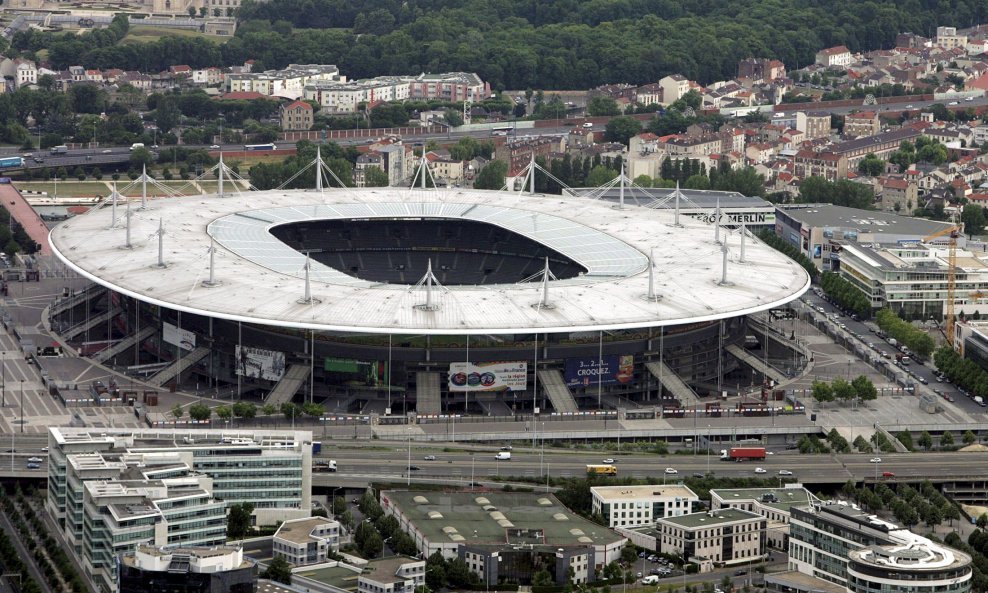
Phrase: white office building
{"type": "Point", "coordinates": [306, 541]}
{"type": "Point", "coordinates": [632, 506]}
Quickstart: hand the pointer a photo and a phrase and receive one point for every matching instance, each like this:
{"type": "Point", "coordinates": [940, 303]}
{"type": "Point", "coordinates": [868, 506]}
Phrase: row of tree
{"type": "Point", "coordinates": [776, 242]}
{"type": "Point", "coordinates": [817, 190]}
{"type": "Point", "coordinates": [905, 333]}
{"type": "Point", "coordinates": [977, 547]}
{"type": "Point", "coordinates": [845, 295]}
{"type": "Point", "coordinates": [860, 388]}
{"type": "Point", "coordinates": [963, 372]}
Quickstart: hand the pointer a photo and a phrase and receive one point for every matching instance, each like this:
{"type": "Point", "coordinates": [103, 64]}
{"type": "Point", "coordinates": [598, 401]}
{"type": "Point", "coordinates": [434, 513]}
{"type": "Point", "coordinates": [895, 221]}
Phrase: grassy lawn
{"type": "Point", "coordinates": [146, 34]}
{"type": "Point", "coordinates": [67, 188]}
{"type": "Point", "coordinates": [231, 158]}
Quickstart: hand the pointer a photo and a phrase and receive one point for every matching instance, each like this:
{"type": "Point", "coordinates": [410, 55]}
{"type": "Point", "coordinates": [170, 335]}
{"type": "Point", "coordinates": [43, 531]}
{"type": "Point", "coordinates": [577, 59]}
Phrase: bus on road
{"type": "Point", "coordinates": [11, 161]}
{"type": "Point", "coordinates": [602, 470]}
{"type": "Point", "coordinates": [502, 131]}
{"type": "Point", "coordinates": [260, 147]}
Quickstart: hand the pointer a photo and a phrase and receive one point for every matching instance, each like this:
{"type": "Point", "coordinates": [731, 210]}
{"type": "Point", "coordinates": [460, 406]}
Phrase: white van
{"type": "Point", "coordinates": [650, 580]}
{"type": "Point", "coordinates": [503, 456]}
{"type": "Point", "coordinates": [136, 145]}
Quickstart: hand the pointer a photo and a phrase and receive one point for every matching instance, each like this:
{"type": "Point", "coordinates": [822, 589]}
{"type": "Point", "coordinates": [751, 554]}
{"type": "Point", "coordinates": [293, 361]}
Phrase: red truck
{"type": "Point", "coordinates": [742, 454]}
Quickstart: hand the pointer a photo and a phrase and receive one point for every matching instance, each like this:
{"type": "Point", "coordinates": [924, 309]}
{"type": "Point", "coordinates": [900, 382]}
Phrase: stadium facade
{"type": "Point", "coordinates": [430, 301]}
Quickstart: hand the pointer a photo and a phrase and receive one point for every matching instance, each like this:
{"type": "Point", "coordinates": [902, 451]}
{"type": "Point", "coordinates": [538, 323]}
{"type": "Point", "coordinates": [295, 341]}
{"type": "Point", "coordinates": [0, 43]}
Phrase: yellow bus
{"type": "Point", "coordinates": [602, 470]}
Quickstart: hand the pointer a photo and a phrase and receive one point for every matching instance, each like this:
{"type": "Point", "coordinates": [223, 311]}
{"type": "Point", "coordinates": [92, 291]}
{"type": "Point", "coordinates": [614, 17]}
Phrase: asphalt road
{"type": "Point", "coordinates": [913, 371]}
{"type": "Point", "coordinates": [461, 465]}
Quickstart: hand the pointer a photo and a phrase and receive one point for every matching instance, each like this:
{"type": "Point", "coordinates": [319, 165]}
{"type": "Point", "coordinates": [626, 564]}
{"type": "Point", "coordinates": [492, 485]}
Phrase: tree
{"type": "Point", "coordinates": [223, 412]}
{"type": "Point", "coordinates": [339, 505]}
{"type": "Point", "coordinates": [982, 521]}
{"type": "Point", "coordinates": [140, 157]}
{"type": "Point", "coordinates": [245, 410]}
{"type": "Point", "coordinates": [178, 411]}
{"type": "Point", "coordinates": [970, 438]}
{"type": "Point", "coordinates": [291, 411]}
{"type": "Point", "coordinates": [435, 571]}
{"type": "Point", "coordinates": [621, 129]}
{"type": "Point", "coordinates": [600, 175]}
{"type": "Point", "coordinates": [947, 439]}
{"type": "Point", "coordinates": [871, 165]}
{"type": "Point", "coordinates": [628, 554]}
{"type": "Point", "coordinates": [973, 218]}
{"type": "Point", "coordinates": [906, 439]}
{"type": "Point", "coordinates": [492, 176]}
{"type": "Point", "coordinates": [375, 177]}
{"type": "Point", "coordinates": [542, 578]}
{"type": "Point", "coordinates": [279, 570]}
{"type": "Point", "coordinates": [200, 412]}
{"type": "Point", "coordinates": [822, 392]}
{"type": "Point", "coordinates": [602, 105]}
{"type": "Point", "coordinates": [192, 12]}
{"type": "Point", "coordinates": [217, 12]}
{"type": "Point", "coordinates": [238, 521]}
{"type": "Point", "coordinates": [864, 388]}
{"type": "Point", "coordinates": [925, 440]}
{"type": "Point", "coordinates": [269, 409]}
{"type": "Point", "coordinates": [203, 11]}
{"type": "Point", "coordinates": [372, 544]}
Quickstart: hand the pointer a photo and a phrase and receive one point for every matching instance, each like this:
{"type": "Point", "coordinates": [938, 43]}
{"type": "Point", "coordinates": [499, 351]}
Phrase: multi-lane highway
{"type": "Point", "coordinates": [464, 465]}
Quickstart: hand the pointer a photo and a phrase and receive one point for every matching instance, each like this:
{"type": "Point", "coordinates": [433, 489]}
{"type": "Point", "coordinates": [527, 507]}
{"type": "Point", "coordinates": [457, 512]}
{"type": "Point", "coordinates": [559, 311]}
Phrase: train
{"type": "Point", "coordinates": [11, 162]}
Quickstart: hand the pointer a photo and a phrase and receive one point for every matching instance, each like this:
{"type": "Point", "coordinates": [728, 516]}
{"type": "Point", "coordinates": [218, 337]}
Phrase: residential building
{"type": "Point", "coordinates": [392, 575]}
{"type": "Point", "coordinates": [948, 38]}
{"type": "Point", "coordinates": [723, 537]}
{"type": "Point", "coordinates": [445, 169]}
{"type": "Point", "coordinates": [862, 123]}
{"type": "Point", "coordinates": [297, 115]}
{"type": "Point", "coordinates": [650, 94]}
{"type": "Point", "coordinates": [761, 69]}
{"type": "Point", "coordinates": [690, 146]}
{"type": "Point", "coordinates": [772, 503]}
{"type": "Point", "coordinates": [288, 82]}
{"type": "Point", "coordinates": [830, 166]}
{"type": "Point", "coordinates": [898, 194]}
{"type": "Point", "coordinates": [518, 153]}
{"type": "Point", "coordinates": [631, 506]}
{"type": "Point", "coordinates": [364, 162]}
{"type": "Point", "coordinates": [834, 57]}
{"type": "Point", "coordinates": [881, 145]}
{"type": "Point", "coordinates": [451, 86]}
{"type": "Point", "coordinates": [189, 569]}
{"type": "Point", "coordinates": [815, 124]}
{"type": "Point", "coordinates": [821, 232]}
{"type": "Point", "coordinates": [674, 87]}
{"type": "Point", "coordinates": [306, 541]}
{"type": "Point", "coordinates": [348, 97]}
{"type": "Point", "coordinates": [505, 536]}
{"type": "Point", "coordinates": [840, 543]}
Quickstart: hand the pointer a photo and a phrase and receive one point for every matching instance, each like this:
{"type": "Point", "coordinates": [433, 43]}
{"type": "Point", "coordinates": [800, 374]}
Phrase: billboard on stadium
{"type": "Point", "coordinates": [258, 363]}
{"type": "Point", "coordinates": [608, 370]}
{"type": "Point", "coordinates": [488, 376]}
{"type": "Point", "coordinates": [174, 335]}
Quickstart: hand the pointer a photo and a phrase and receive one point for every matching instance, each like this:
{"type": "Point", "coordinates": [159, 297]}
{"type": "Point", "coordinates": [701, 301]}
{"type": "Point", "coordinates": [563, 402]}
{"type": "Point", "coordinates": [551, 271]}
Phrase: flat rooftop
{"type": "Point", "coordinates": [864, 221]}
{"type": "Point", "coordinates": [690, 199]}
{"type": "Point", "coordinates": [615, 493]}
{"type": "Point", "coordinates": [718, 517]}
{"type": "Point", "coordinates": [383, 570]}
{"type": "Point", "coordinates": [299, 531]}
{"type": "Point", "coordinates": [798, 582]}
{"type": "Point", "coordinates": [778, 498]}
{"type": "Point", "coordinates": [498, 519]}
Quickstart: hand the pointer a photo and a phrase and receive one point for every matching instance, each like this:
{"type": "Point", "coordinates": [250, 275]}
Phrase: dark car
{"type": "Point", "coordinates": [414, 468]}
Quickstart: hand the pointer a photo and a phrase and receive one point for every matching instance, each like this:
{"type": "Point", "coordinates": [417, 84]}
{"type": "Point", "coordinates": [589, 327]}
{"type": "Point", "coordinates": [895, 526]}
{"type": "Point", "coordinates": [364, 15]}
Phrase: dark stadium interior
{"type": "Point", "coordinates": [397, 251]}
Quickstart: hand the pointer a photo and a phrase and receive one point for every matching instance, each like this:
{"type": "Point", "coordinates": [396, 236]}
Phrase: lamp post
{"type": "Point", "coordinates": [3, 379]}
{"type": "Point", "coordinates": [408, 470]}
{"type": "Point", "coordinates": [22, 405]}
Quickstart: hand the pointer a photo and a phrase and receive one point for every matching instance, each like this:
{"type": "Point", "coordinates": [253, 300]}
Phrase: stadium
{"type": "Point", "coordinates": [433, 301]}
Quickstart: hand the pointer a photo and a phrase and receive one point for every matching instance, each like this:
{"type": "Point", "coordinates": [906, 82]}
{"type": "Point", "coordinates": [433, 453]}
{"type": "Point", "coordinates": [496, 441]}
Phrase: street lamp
{"type": "Point", "coordinates": [22, 405]}
{"type": "Point", "coordinates": [408, 470]}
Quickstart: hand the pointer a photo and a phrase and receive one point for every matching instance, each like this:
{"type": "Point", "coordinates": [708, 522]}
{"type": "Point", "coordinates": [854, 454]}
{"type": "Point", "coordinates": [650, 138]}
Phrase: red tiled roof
{"type": "Point", "coordinates": [301, 104]}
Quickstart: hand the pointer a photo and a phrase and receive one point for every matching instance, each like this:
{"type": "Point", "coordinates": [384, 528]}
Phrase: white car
{"type": "Point", "coordinates": [671, 470]}
{"type": "Point", "coordinates": [875, 460]}
{"type": "Point", "coordinates": [588, 124]}
{"type": "Point", "coordinates": [760, 470]}
{"type": "Point", "coordinates": [785, 472]}
{"type": "Point", "coordinates": [429, 458]}
{"type": "Point", "coordinates": [608, 460]}
{"type": "Point", "coordinates": [952, 103]}
{"type": "Point", "coordinates": [34, 459]}
{"type": "Point", "coordinates": [214, 147]}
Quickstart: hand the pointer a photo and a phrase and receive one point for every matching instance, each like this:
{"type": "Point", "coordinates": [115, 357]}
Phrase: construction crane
{"type": "Point", "coordinates": [953, 232]}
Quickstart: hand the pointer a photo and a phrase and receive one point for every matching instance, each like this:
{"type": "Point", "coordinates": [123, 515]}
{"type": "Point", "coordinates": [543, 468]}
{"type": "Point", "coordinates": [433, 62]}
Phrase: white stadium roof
{"type": "Point", "coordinates": [261, 280]}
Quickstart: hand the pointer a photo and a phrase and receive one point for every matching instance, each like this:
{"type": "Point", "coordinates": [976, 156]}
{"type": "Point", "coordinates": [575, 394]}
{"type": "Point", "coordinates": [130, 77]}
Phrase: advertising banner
{"type": "Point", "coordinates": [260, 364]}
{"type": "Point", "coordinates": [175, 336]}
{"type": "Point", "coordinates": [373, 373]}
{"type": "Point", "coordinates": [488, 376]}
{"type": "Point", "coordinates": [609, 370]}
